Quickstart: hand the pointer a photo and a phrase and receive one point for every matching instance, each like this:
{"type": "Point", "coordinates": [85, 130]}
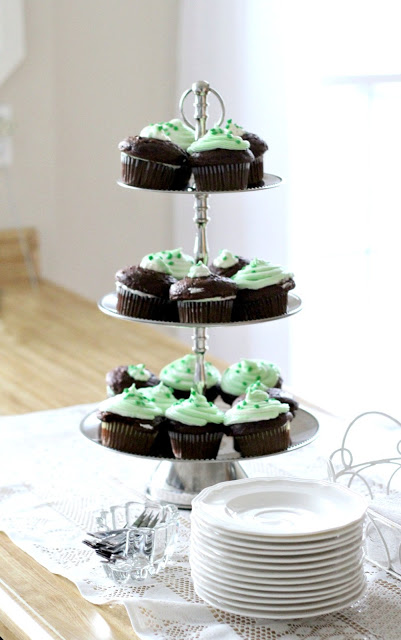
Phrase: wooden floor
{"type": "Point", "coordinates": [56, 347]}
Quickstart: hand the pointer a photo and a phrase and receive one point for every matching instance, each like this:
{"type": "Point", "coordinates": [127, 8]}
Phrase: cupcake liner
{"type": "Point", "coordinates": [205, 311]}
{"type": "Point", "coordinates": [200, 446]}
{"type": "Point", "coordinates": [147, 174]}
{"type": "Point", "coordinates": [150, 307]}
{"type": "Point", "coordinates": [256, 172]}
{"type": "Point", "coordinates": [221, 177]}
{"type": "Point", "coordinates": [264, 307]}
{"type": "Point", "coordinates": [125, 437]}
{"type": "Point", "coordinates": [262, 442]}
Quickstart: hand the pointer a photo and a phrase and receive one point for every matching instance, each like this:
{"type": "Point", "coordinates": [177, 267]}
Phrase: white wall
{"type": "Point", "coordinates": [95, 72]}
{"type": "Point", "coordinates": [239, 54]}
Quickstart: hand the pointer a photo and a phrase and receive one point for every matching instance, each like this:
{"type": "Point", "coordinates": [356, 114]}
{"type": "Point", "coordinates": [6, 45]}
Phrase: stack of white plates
{"type": "Point", "coordinates": [278, 547]}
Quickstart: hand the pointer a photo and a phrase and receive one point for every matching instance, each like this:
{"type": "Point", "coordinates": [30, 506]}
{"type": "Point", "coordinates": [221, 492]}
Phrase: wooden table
{"type": "Point", "coordinates": [55, 348]}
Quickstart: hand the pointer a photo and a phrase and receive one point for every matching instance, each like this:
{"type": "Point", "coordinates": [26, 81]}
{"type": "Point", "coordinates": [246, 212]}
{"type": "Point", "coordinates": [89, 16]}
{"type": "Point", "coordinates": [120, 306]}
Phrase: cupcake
{"type": "Point", "coordinates": [220, 161]}
{"type": "Point", "coordinates": [129, 422]}
{"type": "Point", "coordinates": [153, 161]}
{"type": "Point", "coordinates": [277, 394]}
{"type": "Point", "coordinates": [259, 425]}
{"type": "Point", "coordinates": [163, 398]}
{"type": "Point", "coordinates": [180, 374]}
{"type": "Point", "coordinates": [203, 297]}
{"type": "Point", "coordinates": [143, 292]}
{"type": "Point", "coordinates": [258, 148]}
{"type": "Point", "coordinates": [262, 291]}
{"type": "Point", "coordinates": [124, 376]}
{"type": "Point", "coordinates": [177, 261]}
{"type": "Point", "coordinates": [239, 376]}
{"type": "Point", "coordinates": [227, 264]}
{"type": "Point", "coordinates": [179, 134]}
{"type": "Point", "coordinates": [195, 428]}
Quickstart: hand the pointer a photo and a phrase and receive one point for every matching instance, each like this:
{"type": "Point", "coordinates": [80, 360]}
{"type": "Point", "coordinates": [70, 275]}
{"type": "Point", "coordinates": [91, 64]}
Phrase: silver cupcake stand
{"type": "Point", "coordinates": [179, 481]}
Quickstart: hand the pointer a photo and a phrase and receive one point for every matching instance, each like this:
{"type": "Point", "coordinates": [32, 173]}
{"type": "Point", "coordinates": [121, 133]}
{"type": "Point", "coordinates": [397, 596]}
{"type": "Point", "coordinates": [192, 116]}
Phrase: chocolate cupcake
{"type": "Point", "coordinates": [129, 422]}
{"type": "Point", "coordinates": [276, 394]}
{"type": "Point", "coordinates": [239, 376]}
{"type": "Point", "coordinates": [143, 292]}
{"type": "Point", "coordinates": [259, 425]}
{"type": "Point", "coordinates": [262, 291]}
{"type": "Point", "coordinates": [180, 374]}
{"type": "Point", "coordinates": [153, 162]}
{"type": "Point", "coordinates": [177, 261]}
{"type": "Point", "coordinates": [203, 297]}
{"type": "Point", "coordinates": [227, 264]}
{"type": "Point", "coordinates": [195, 428]}
{"type": "Point", "coordinates": [124, 376]}
{"type": "Point", "coordinates": [220, 161]}
{"type": "Point", "coordinates": [258, 148]}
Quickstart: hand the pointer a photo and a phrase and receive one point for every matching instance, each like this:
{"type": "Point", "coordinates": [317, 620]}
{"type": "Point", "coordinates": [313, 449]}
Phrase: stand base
{"type": "Point", "coordinates": [178, 482]}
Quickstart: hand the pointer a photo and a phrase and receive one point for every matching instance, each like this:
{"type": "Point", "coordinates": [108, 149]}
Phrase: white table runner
{"type": "Point", "coordinates": [52, 480]}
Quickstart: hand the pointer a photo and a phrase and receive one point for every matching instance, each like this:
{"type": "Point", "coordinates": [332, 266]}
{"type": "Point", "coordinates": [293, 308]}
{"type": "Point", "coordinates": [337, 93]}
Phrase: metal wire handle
{"type": "Point", "coordinates": [201, 89]}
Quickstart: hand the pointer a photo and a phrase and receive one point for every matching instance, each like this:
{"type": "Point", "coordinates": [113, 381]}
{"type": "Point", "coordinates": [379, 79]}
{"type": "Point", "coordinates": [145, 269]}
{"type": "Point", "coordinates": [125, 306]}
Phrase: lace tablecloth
{"type": "Point", "coordinates": [52, 480]}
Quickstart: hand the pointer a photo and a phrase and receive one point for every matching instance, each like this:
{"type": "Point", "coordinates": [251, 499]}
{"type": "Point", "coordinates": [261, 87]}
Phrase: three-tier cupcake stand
{"type": "Point", "coordinates": [179, 481]}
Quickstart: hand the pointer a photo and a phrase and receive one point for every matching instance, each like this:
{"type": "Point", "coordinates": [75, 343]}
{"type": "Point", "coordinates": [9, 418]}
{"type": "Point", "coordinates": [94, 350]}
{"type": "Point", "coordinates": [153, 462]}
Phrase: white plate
{"type": "Point", "coordinates": [246, 543]}
{"type": "Point", "coordinates": [280, 506]}
{"type": "Point", "coordinates": [199, 550]}
{"type": "Point", "coordinates": [271, 599]}
{"type": "Point", "coordinates": [266, 572]}
{"type": "Point", "coordinates": [308, 583]}
{"type": "Point", "coordinates": [313, 590]}
{"type": "Point", "coordinates": [264, 612]}
{"type": "Point", "coordinates": [225, 551]}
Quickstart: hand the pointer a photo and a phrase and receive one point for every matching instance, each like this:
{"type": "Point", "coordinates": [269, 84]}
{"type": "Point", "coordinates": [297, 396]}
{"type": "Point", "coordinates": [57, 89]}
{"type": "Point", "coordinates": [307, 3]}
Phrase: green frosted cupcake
{"type": "Point", "coordinates": [129, 422]}
{"type": "Point", "coordinates": [220, 161]}
{"type": "Point", "coordinates": [163, 398]}
{"type": "Point", "coordinates": [195, 428]}
{"type": "Point", "coordinates": [239, 376]}
{"type": "Point", "coordinates": [180, 375]}
{"type": "Point", "coordinates": [262, 291]}
{"type": "Point", "coordinates": [259, 425]}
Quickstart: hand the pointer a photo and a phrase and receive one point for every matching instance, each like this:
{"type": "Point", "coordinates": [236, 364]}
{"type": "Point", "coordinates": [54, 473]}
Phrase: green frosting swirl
{"type": "Point", "coordinates": [199, 270]}
{"type": "Point", "coordinates": [225, 259]}
{"type": "Point", "coordinates": [234, 128]}
{"type": "Point", "coordinates": [178, 262]}
{"type": "Point", "coordinates": [180, 373]}
{"type": "Point", "coordinates": [139, 372]}
{"type": "Point", "coordinates": [259, 273]}
{"type": "Point", "coordinates": [237, 377]}
{"type": "Point", "coordinates": [154, 131]}
{"type": "Point", "coordinates": [154, 262]}
{"type": "Point", "coordinates": [256, 406]}
{"type": "Point", "coordinates": [218, 138]}
{"type": "Point", "coordinates": [161, 395]}
{"type": "Point", "coordinates": [131, 404]}
{"type": "Point", "coordinates": [174, 130]}
{"type": "Point", "coordinates": [195, 411]}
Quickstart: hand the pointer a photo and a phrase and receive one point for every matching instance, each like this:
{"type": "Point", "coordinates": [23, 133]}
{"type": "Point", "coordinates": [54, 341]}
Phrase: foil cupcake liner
{"type": "Point", "coordinates": [221, 177]}
{"type": "Point", "coordinates": [264, 307]}
{"type": "Point", "coordinates": [146, 174]}
{"type": "Point", "coordinates": [201, 446]}
{"type": "Point", "coordinates": [144, 306]}
{"type": "Point", "coordinates": [200, 311]}
{"type": "Point", "coordinates": [256, 172]}
{"type": "Point", "coordinates": [125, 437]}
{"type": "Point", "coordinates": [270, 440]}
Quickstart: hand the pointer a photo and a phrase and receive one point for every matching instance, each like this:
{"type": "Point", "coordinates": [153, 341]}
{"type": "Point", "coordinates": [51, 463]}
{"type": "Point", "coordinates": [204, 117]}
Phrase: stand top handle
{"type": "Point", "coordinates": [201, 88]}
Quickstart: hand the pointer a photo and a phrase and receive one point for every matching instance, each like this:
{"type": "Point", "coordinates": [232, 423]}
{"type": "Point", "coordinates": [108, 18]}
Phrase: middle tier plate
{"type": "Point", "coordinates": [108, 304]}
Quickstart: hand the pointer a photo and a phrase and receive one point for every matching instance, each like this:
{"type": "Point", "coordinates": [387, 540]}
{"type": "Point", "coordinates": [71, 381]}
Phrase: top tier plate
{"type": "Point", "coordinates": [269, 181]}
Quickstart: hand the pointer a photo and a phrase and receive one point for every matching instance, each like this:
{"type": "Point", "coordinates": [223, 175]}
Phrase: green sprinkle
{"type": "Point", "coordinates": [160, 127]}
{"type": "Point", "coordinates": [179, 255]}
{"type": "Point", "coordinates": [211, 404]}
{"type": "Point", "coordinates": [257, 406]}
{"type": "Point", "coordinates": [237, 371]}
{"type": "Point", "coordinates": [244, 403]}
{"type": "Point", "coordinates": [250, 367]}
{"type": "Point", "coordinates": [229, 121]}
{"type": "Point", "coordinates": [167, 395]}
{"type": "Point", "coordinates": [244, 384]}
{"type": "Point", "coordinates": [238, 141]}
{"type": "Point", "coordinates": [230, 135]}
{"type": "Point", "coordinates": [170, 262]}
{"type": "Point", "coordinates": [224, 257]}
{"type": "Point", "coordinates": [258, 378]}
{"type": "Point", "coordinates": [175, 128]}
{"type": "Point", "coordinates": [150, 257]}
{"type": "Point", "coordinates": [169, 255]}
{"type": "Point", "coordinates": [188, 370]}
{"type": "Point", "coordinates": [208, 373]}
